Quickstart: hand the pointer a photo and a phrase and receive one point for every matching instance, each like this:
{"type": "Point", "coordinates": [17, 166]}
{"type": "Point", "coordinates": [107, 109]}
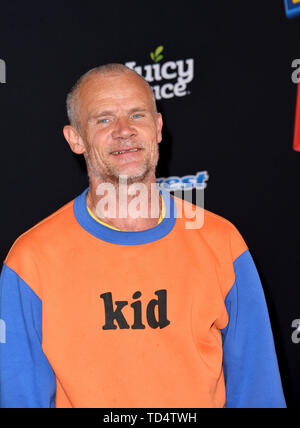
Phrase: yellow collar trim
{"type": "Point", "coordinates": [162, 216]}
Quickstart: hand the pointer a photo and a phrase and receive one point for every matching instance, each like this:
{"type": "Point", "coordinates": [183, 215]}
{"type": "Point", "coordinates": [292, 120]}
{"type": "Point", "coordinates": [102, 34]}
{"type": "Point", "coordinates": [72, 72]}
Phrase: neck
{"type": "Point", "coordinates": [128, 207]}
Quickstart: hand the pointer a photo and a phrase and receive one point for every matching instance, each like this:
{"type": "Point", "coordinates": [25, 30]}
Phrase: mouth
{"type": "Point", "coordinates": [122, 152]}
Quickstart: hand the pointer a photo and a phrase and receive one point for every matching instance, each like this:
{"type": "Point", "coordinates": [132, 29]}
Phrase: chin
{"type": "Point", "coordinates": [134, 175]}
{"type": "Point", "coordinates": [134, 178]}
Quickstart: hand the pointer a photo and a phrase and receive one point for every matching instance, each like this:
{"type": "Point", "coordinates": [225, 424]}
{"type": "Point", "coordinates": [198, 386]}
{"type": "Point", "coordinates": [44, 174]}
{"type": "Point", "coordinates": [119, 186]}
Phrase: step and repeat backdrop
{"type": "Point", "coordinates": [225, 76]}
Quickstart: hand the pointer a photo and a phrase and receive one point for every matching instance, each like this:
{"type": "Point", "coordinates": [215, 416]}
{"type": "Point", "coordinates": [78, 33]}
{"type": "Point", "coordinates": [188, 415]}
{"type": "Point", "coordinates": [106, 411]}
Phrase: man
{"type": "Point", "coordinates": [103, 308]}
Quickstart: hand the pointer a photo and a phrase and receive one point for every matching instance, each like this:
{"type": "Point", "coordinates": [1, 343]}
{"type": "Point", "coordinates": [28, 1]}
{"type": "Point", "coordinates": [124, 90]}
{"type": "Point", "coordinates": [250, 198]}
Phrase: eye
{"type": "Point", "coordinates": [137, 116]}
{"type": "Point", "coordinates": [102, 121]}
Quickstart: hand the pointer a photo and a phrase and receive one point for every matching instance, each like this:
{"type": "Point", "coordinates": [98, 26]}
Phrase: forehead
{"type": "Point", "coordinates": [113, 91]}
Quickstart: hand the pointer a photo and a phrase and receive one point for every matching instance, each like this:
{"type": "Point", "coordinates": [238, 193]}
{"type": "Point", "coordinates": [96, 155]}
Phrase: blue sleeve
{"type": "Point", "coordinates": [26, 377]}
{"type": "Point", "coordinates": [249, 359]}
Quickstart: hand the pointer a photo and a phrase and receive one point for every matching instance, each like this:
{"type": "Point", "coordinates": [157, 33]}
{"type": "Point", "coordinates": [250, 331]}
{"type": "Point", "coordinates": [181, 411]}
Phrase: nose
{"type": "Point", "coordinates": [123, 129]}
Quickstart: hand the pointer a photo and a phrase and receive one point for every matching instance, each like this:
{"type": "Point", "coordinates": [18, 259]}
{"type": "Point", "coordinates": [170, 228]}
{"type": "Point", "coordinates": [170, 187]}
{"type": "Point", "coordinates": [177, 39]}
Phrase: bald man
{"type": "Point", "coordinates": [115, 125]}
{"type": "Point", "coordinates": [112, 301]}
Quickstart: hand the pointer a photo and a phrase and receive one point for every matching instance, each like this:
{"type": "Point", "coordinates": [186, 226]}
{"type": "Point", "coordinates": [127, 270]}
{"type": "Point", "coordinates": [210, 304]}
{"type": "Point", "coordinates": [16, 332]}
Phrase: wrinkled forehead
{"type": "Point", "coordinates": [113, 90]}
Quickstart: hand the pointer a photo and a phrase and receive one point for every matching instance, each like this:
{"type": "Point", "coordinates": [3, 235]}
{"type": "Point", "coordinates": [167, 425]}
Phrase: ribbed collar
{"type": "Point", "coordinates": [121, 237]}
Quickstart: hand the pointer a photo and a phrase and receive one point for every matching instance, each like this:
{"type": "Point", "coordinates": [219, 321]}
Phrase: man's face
{"type": "Point", "coordinates": [119, 127]}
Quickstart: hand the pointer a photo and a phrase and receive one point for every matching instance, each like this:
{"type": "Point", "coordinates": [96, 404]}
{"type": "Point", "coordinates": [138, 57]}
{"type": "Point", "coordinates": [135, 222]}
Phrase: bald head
{"type": "Point", "coordinates": [107, 70]}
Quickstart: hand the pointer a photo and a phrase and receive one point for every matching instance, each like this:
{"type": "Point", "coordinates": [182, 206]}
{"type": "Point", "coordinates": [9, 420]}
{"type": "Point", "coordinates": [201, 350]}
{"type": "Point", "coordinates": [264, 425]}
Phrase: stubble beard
{"type": "Point", "coordinates": [110, 174]}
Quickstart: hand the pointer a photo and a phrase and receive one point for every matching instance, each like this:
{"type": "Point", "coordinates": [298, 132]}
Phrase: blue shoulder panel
{"type": "Point", "coordinates": [26, 377]}
{"type": "Point", "coordinates": [250, 364]}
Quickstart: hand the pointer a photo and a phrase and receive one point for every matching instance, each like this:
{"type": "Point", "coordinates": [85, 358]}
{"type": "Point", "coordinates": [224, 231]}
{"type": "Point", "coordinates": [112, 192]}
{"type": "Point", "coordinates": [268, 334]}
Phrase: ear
{"type": "Point", "coordinates": [159, 125]}
{"type": "Point", "coordinates": [74, 139]}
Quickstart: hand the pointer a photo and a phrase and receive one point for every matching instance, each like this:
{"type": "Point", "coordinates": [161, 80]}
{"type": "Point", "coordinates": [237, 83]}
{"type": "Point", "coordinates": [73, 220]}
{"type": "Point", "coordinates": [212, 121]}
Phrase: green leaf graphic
{"type": "Point", "coordinates": [158, 50]}
{"type": "Point", "coordinates": [159, 58]}
{"type": "Point", "coordinates": [156, 55]}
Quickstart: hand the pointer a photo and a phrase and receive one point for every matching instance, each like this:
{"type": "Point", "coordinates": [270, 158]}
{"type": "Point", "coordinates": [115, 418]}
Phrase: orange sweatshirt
{"type": "Point", "coordinates": [167, 317]}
